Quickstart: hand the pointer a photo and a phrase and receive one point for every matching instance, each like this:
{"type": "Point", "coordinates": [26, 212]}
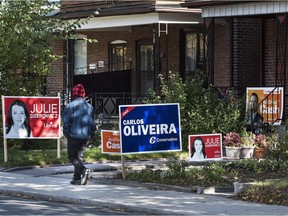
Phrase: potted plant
{"type": "Point", "coordinates": [232, 144]}
{"type": "Point", "coordinates": [247, 144]}
{"type": "Point", "coordinates": [261, 146]}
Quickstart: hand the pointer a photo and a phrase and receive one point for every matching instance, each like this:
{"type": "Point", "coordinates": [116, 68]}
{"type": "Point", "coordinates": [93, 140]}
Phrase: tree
{"type": "Point", "coordinates": [27, 35]}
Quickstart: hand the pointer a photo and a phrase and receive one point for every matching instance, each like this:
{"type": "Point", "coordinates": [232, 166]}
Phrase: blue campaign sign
{"type": "Point", "coordinates": [150, 128]}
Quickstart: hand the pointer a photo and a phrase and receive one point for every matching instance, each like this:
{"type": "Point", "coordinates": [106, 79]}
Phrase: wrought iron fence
{"type": "Point", "coordinates": [106, 105]}
{"type": "Point", "coordinates": [103, 67]}
{"type": "Point", "coordinates": [272, 100]}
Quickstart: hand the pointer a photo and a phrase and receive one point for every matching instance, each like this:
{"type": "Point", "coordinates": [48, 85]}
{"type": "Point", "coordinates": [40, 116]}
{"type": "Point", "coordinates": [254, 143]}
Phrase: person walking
{"type": "Point", "coordinates": [78, 127]}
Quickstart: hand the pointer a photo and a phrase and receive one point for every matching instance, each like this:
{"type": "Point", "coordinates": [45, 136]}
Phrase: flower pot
{"type": "Point", "coordinates": [259, 153]}
{"type": "Point", "coordinates": [247, 152]}
{"type": "Point", "coordinates": [233, 152]}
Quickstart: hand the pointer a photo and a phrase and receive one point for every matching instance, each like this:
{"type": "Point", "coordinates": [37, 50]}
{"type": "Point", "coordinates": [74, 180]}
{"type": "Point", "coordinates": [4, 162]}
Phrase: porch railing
{"type": "Point", "coordinates": [269, 108]}
{"type": "Point", "coordinates": [106, 105]}
{"type": "Point", "coordinates": [103, 67]}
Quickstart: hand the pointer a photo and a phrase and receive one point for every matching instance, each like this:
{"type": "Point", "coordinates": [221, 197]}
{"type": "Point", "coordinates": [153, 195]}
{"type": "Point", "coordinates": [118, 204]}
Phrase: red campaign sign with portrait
{"type": "Point", "coordinates": [205, 147]}
{"type": "Point", "coordinates": [31, 117]}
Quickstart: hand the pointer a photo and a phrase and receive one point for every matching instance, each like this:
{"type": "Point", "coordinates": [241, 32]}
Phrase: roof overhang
{"type": "Point", "coordinates": [246, 9]}
{"type": "Point", "coordinates": [142, 19]}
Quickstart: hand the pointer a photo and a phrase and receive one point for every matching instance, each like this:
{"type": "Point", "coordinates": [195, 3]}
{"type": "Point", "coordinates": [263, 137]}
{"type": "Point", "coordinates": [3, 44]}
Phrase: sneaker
{"type": "Point", "coordinates": [85, 176]}
{"type": "Point", "coordinates": [75, 182]}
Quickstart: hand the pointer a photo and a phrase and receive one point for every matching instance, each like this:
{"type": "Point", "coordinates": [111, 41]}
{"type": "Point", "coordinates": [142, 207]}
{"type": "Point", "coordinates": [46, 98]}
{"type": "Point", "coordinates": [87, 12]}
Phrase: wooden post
{"type": "Point", "coordinates": [5, 150]}
{"type": "Point", "coordinates": [3, 127]}
{"type": "Point", "coordinates": [58, 148]}
{"type": "Point", "coordinates": [123, 166]}
{"type": "Point", "coordinates": [58, 140]}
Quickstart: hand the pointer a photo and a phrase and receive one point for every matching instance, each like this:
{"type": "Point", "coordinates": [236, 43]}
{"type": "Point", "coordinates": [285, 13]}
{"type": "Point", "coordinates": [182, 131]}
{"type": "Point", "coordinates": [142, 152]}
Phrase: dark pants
{"type": "Point", "coordinates": [76, 148]}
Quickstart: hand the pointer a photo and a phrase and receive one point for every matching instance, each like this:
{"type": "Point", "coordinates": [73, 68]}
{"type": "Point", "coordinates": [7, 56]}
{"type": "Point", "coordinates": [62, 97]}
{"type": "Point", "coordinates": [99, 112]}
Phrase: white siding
{"type": "Point", "coordinates": [257, 8]}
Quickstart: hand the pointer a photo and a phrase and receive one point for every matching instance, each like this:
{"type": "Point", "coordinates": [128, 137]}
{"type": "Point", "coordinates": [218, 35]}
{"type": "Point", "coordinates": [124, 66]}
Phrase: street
{"type": "Point", "coordinates": [24, 206]}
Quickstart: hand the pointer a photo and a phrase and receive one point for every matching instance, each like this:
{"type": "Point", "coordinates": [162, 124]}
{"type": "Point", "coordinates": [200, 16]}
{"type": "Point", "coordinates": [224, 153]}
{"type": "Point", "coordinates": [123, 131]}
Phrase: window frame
{"type": "Point", "coordinates": [118, 65]}
{"type": "Point", "coordinates": [200, 55]}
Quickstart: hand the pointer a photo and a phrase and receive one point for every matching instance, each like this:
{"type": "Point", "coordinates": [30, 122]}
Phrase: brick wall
{"type": "Point", "coordinates": [246, 53]}
{"type": "Point", "coordinates": [99, 51]}
{"type": "Point", "coordinates": [270, 52]}
{"type": "Point", "coordinates": [55, 80]}
{"type": "Point", "coordinates": [222, 55]}
{"type": "Point", "coordinates": [247, 47]}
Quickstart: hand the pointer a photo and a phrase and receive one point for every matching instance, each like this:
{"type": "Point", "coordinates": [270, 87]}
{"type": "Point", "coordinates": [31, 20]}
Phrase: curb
{"type": "Point", "coordinates": [68, 200]}
{"type": "Point", "coordinates": [225, 191]}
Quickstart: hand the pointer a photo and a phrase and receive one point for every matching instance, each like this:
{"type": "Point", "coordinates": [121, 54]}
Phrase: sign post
{"type": "Point", "coordinates": [110, 141]}
{"type": "Point", "coordinates": [5, 151]}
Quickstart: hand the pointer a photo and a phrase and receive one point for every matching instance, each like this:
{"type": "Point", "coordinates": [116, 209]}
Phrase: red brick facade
{"type": "Point", "coordinates": [222, 56]}
{"type": "Point", "coordinates": [251, 59]}
{"type": "Point", "coordinates": [270, 51]}
{"type": "Point", "coordinates": [246, 61]}
{"type": "Point", "coordinates": [55, 81]}
{"type": "Point", "coordinates": [169, 50]}
{"type": "Point", "coordinates": [244, 49]}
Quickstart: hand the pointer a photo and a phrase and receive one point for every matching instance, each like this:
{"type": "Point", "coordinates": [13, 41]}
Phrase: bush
{"type": "Point", "coordinates": [202, 110]}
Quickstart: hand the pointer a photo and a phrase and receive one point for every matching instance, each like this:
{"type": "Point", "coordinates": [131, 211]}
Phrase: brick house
{"type": "Point", "coordinates": [248, 43]}
{"type": "Point", "coordinates": [137, 41]}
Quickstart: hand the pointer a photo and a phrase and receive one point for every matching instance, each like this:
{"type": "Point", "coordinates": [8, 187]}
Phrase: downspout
{"type": "Point", "coordinates": [154, 51]}
{"type": "Point", "coordinates": [284, 62]}
{"type": "Point", "coordinates": [262, 44]}
{"type": "Point", "coordinates": [157, 63]}
{"type": "Point", "coordinates": [167, 56]}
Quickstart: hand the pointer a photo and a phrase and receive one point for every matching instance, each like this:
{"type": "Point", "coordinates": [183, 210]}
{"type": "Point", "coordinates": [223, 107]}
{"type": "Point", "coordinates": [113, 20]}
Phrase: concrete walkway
{"type": "Point", "coordinates": [56, 187]}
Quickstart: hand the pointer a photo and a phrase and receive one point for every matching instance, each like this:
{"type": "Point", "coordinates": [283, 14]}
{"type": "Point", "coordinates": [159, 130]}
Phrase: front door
{"type": "Point", "coordinates": [146, 67]}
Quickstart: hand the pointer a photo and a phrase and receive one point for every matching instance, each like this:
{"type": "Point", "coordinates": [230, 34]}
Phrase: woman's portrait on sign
{"type": "Point", "coordinates": [18, 121]}
{"type": "Point", "coordinates": [198, 150]}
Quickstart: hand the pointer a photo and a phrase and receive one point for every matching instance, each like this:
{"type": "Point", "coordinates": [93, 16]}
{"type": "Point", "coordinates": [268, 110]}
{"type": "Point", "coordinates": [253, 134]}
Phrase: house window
{"type": "Point", "coordinates": [194, 52]}
{"type": "Point", "coordinates": [118, 56]}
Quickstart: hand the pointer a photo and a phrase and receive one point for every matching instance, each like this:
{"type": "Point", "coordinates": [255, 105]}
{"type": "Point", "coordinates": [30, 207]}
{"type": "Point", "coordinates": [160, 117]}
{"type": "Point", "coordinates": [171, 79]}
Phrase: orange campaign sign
{"type": "Point", "coordinates": [205, 147]}
{"type": "Point", "coordinates": [270, 103]}
{"type": "Point", "coordinates": [110, 141]}
{"type": "Point", "coordinates": [31, 117]}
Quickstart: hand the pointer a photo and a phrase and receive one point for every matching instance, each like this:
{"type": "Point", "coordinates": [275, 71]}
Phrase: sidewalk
{"type": "Point", "coordinates": [129, 198]}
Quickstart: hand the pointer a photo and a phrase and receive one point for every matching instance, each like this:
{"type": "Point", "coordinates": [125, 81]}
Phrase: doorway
{"type": "Point", "coordinates": [145, 66]}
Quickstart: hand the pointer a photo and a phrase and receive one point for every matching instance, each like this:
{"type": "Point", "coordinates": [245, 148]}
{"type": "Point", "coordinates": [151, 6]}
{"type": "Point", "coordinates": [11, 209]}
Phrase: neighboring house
{"type": "Point", "coordinates": [137, 41]}
{"type": "Point", "coordinates": [247, 45]}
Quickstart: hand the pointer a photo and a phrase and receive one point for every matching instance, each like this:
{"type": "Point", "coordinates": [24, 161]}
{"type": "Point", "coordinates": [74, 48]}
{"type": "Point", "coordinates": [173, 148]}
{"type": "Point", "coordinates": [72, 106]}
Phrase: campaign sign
{"type": "Point", "coordinates": [205, 147]}
{"type": "Point", "coordinates": [150, 128]}
{"type": "Point", "coordinates": [110, 141]}
{"type": "Point", "coordinates": [272, 106]}
{"type": "Point", "coordinates": [31, 117]}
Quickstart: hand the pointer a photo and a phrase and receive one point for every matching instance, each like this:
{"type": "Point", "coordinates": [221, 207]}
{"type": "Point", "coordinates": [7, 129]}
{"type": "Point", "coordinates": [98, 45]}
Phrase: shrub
{"type": "Point", "coordinates": [202, 109]}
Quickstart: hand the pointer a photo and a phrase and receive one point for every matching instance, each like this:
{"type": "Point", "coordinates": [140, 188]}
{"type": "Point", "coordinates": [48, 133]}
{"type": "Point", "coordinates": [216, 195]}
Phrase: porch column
{"type": "Point", "coordinates": [157, 62]}
{"type": "Point", "coordinates": [69, 69]}
{"type": "Point", "coordinates": [281, 47]}
{"type": "Point", "coordinates": [209, 50]}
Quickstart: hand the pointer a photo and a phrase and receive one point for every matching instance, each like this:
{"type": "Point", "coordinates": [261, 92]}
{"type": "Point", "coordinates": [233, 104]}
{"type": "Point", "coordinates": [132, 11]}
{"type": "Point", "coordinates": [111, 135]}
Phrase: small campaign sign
{"type": "Point", "coordinates": [110, 141]}
{"type": "Point", "coordinates": [149, 128]}
{"type": "Point", "coordinates": [205, 147]}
